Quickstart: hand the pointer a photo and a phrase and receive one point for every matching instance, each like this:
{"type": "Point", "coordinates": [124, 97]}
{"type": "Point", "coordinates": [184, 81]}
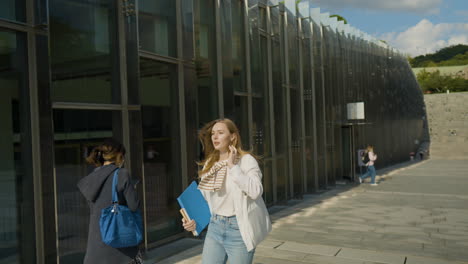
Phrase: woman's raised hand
{"type": "Point", "coordinates": [189, 225]}
{"type": "Point", "coordinates": [232, 156]}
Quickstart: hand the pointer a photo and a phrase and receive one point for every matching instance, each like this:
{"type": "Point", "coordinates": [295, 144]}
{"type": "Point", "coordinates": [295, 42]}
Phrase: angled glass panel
{"type": "Point", "coordinates": [241, 118]}
{"type": "Point", "coordinates": [255, 57]}
{"type": "Point", "coordinates": [290, 7]}
{"type": "Point", "coordinates": [225, 18]}
{"type": "Point", "coordinates": [157, 27]}
{"type": "Point", "coordinates": [304, 9]}
{"type": "Point", "coordinates": [280, 127]}
{"type": "Point", "coordinates": [262, 18]}
{"type": "Point", "coordinates": [16, 179]}
{"type": "Point", "coordinates": [296, 141]}
{"type": "Point", "coordinates": [238, 46]}
{"type": "Point", "coordinates": [292, 52]}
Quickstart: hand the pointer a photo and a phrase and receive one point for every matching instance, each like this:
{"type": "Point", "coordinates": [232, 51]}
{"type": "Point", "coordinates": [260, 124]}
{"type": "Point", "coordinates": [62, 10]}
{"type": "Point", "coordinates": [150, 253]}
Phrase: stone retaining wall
{"type": "Point", "coordinates": [448, 124]}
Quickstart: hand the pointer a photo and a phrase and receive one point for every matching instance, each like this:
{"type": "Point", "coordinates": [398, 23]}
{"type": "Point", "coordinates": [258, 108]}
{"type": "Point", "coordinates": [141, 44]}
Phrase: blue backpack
{"type": "Point", "coordinates": [120, 227]}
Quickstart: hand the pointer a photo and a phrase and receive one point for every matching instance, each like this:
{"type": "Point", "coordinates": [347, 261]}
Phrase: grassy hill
{"type": "Point", "coordinates": [449, 56]}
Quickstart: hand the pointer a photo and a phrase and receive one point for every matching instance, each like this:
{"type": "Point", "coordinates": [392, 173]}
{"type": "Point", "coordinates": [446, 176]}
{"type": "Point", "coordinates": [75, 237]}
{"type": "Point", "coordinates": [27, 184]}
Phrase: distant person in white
{"type": "Point", "coordinates": [231, 182]}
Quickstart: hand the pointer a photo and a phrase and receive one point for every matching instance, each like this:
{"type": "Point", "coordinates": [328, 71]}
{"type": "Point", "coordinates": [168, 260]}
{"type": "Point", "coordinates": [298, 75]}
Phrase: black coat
{"type": "Point", "coordinates": [97, 189]}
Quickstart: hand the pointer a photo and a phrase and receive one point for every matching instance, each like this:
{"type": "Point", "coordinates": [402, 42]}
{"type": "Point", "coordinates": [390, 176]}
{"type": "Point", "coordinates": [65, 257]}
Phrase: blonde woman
{"type": "Point", "coordinates": [369, 162]}
{"type": "Point", "coordinates": [231, 182]}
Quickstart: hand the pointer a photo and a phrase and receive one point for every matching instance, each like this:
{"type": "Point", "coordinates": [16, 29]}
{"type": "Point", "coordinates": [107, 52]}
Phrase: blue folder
{"type": "Point", "coordinates": [195, 205]}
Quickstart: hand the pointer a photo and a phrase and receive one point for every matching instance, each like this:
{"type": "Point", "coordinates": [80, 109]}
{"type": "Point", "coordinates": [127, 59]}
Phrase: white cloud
{"type": "Point", "coordinates": [411, 6]}
{"type": "Point", "coordinates": [426, 37]}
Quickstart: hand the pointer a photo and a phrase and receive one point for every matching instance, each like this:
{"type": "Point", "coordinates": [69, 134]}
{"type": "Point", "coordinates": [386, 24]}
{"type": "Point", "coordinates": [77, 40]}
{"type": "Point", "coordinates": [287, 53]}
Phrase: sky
{"type": "Point", "coordinates": [414, 27]}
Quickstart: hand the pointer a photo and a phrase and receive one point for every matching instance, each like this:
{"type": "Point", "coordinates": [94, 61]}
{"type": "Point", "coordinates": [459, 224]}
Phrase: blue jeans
{"type": "Point", "coordinates": [224, 241]}
{"type": "Point", "coordinates": [370, 172]}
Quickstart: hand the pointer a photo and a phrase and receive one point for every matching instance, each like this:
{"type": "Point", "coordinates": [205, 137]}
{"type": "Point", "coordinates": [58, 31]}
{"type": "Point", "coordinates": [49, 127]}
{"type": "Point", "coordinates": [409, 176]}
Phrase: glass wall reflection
{"type": "Point", "coordinates": [157, 27]}
{"type": "Point", "coordinates": [13, 10]}
{"type": "Point", "coordinates": [238, 46]}
{"type": "Point", "coordinates": [76, 133]}
{"type": "Point", "coordinates": [279, 102]}
{"type": "Point", "coordinates": [159, 114]}
{"type": "Point", "coordinates": [205, 60]}
{"type": "Point", "coordinates": [84, 62]}
{"type": "Point", "coordinates": [17, 234]}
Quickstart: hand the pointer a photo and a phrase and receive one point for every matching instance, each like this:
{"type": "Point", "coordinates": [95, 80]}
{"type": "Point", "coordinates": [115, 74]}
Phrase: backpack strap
{"type": "Point", "coordinates": [115, 199]}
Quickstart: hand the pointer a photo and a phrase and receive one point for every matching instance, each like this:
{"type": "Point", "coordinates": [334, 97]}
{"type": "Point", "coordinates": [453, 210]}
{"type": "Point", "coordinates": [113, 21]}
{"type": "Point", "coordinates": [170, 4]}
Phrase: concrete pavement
{"type": "Point", "coordinates": [417, 214]}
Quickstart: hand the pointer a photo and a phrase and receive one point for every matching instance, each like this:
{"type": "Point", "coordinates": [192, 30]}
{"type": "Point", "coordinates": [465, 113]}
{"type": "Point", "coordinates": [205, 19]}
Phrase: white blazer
{"type": "Point", "coordinates": [251, 213]}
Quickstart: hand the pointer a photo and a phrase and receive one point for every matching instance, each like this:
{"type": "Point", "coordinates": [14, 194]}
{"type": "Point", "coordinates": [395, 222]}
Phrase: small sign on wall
{"type": "Point", "coordinates": [355, 110]}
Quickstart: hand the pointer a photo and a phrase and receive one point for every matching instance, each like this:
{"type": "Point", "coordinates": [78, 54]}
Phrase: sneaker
{"type": "Point", "coordinates": [360, 180]}
{"type": "Point", "coordinates": [373, 184]}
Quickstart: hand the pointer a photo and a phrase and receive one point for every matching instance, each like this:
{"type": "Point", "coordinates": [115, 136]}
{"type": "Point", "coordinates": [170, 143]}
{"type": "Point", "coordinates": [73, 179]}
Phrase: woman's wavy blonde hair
{"type": "Point", "coordinates": [210, 153]}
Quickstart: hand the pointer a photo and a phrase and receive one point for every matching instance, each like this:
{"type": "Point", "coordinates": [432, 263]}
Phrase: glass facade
{"type": "Point", "coordinates": [157, 27]}
{"type": "Point", "coordinates": [13, 10]}
{"type": "Point", "coordinates": [16, 180]}
{"type": "Point", "coordinates": [76, 132]}
{"type": "Point", "coordinates": [159, 102]}
{"type": "Point", "coordinates": [83, 51]}
{"type": "Point", "coordinates": [150, 74]}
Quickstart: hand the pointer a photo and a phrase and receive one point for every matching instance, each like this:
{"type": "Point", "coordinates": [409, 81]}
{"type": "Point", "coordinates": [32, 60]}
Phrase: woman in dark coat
{"type": "Point", "coordinates": [97, 189]}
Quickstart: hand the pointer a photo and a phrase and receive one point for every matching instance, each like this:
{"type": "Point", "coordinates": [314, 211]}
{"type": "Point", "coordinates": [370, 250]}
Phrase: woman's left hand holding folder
{"type": "Point", "coordinates": [189, 225]}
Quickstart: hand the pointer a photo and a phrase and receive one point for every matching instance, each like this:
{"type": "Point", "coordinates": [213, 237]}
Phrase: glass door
{"type": "Point", "coordinates": [160, 126]}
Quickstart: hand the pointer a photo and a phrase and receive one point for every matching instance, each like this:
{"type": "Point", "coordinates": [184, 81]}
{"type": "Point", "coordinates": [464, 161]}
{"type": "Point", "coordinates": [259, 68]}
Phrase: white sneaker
{"type": "Point", "coordinates": [373, 184]}
{"type": "Point", "coordinates": [360, 180]}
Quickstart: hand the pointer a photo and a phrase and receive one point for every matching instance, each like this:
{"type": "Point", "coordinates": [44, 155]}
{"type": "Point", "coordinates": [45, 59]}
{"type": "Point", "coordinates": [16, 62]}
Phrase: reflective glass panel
{"type": "Point", "coordinates": [205, 60]}
{"type": "Point", "coordinates": [17, 234]}
{"type": "Point", "coordinates": [297, 141]}
{"type": "Point", "coordinates": [241, 119]}
{"type": "Point", "coordinates": [262, 18]}
{"type": "Point", "coordinates": [157, 27]}
{"type": "Point", "coordinates": [319, 104]}
{"type": "Point", "coordinates": [225, 15]}
{"type": "Point", "coordinates": [14, 10]}
{"type": "Point", "coordinates": [159, 115]}
{"type": "Point", "coordinates": [82, 47]}
{"type": "Point", "coordinates": [279, 97]}
{"type": "Point", "coordinates": [266, 167]}
{"type": "Point", "coordinates": [309, 117]}
{"type": "Point", "coordinates": [238, 43]}
{"type": "Point", "coordinates": [76, 133]}
{"type": "Point", "coordinates": [293, 55]}
{"type": "Point", "coordinates": [256, 77]}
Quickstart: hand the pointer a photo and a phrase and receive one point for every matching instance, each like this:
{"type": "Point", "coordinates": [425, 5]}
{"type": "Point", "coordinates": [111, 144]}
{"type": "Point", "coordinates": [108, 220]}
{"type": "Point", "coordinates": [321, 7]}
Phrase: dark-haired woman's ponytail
{"type": "Point", "coordinates": [95, 157]}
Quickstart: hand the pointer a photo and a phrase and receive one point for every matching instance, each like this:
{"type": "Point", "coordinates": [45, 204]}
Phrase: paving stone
{"type": "Point", "coordinates": [309, 248]}
{"type": "Point", "coordinates": [270, 260]}
{"type": "Point", "coordinates": [421, 214]}
{"type": "Point", "coordinates": [335, 260]}
{"type": "Point", "coordinates": [353, 228]}
{"type": "Point", "coordinates": [280, 254]}
{"type": "Point", "coordinates": [269, 243]}
{"type": "Point", "coordinates": [423, 260]}
{"type": "Point", "coordinates": [367, 255]}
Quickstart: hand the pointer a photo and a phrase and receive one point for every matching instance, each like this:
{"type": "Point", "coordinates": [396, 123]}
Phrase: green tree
{"type": "Point", "coordinates": [434, 82]}
{"type": "Point", "coordinates": [446, 56]}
